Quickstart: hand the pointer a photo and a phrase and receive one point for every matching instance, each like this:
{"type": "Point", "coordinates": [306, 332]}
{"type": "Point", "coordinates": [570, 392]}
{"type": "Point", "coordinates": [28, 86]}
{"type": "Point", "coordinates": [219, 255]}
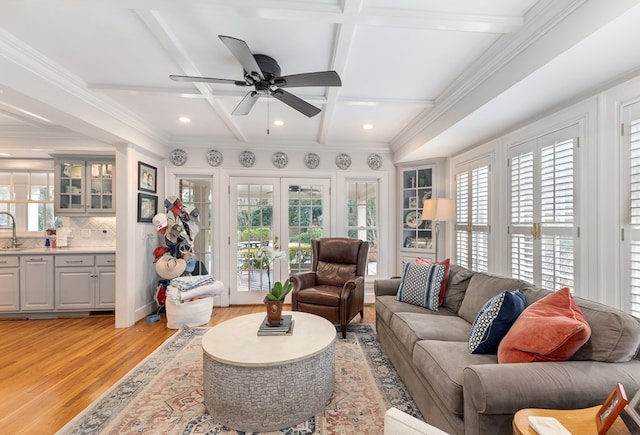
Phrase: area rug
{"type": "Point", "coordinates": [163, 394]}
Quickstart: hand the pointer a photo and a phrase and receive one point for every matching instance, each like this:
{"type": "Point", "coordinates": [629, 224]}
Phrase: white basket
{"type": "Point", "coordinates": [190, 313]}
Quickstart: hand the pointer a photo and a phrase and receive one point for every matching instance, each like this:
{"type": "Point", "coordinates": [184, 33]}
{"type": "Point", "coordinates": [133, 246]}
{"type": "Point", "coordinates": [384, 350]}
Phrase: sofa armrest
{"type": "Point", "coordinates": [386, 287]}
{"type": "Point", "coordinates": [507, 388]}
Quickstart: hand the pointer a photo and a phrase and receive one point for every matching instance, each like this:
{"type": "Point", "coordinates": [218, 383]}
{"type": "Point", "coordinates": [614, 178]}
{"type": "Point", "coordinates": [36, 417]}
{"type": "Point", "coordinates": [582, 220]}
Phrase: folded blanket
{"type": "Point", "coordinates": [177, 296]}
{"type": "Point", "coordinates": [189, 282]}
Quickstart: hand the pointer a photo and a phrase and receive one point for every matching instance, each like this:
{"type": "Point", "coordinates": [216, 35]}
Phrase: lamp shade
{"type": "Point", "coordinates": [439, 209]}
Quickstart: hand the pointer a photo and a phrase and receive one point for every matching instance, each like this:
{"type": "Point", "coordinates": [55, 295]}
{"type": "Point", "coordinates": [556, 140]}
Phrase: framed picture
{"type": "Point", "coordinates": [611, 409]}
{"type": "Point", "coordinates": [147, 177]}
{"type": "Point", "coordinates": [413, 202]}
{"type": "Point", "coordinates": [147, 207]}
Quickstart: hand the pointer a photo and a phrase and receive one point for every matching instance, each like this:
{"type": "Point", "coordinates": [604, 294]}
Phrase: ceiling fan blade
{"type": "Point", "coordinates": [241, 51]}
{"type": "Point", "coordinates": [192, 79]}
{"type": "Point", "coordinates": [320, 78]}
{"type": "Point", "coordinates": [246, 104]}
{"type": "Point", "coordinates": [295, 102]}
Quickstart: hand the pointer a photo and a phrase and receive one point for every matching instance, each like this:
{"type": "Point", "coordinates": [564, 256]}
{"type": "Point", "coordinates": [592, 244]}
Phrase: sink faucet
{"type": "Point", "coordinates": [14, 240]}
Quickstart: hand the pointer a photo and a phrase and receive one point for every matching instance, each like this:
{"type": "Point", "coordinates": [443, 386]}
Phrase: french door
{"type": "Point", "coordinates": [280, 213]}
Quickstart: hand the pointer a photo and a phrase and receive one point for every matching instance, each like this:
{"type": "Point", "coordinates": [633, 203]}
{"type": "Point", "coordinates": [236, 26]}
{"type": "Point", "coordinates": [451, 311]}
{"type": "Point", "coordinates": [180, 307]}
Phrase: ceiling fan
{"type": "Point", "coordinates": [263, 73]}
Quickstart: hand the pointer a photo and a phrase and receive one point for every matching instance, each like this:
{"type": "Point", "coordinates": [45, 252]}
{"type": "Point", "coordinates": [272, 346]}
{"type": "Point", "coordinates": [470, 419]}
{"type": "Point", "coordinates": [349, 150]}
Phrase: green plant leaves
{"type": "Point", "coordinates": [280, 291]}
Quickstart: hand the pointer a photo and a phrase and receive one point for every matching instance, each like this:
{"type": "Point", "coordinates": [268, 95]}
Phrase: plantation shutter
{"type": "Point", "coordinates": [542, 204]}
{"type": "Point", "coordinates": [472, 215]}
{"type": "Point", "coordinates": [631, 144]}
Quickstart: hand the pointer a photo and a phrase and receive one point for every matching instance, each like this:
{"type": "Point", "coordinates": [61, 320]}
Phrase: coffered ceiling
{"type": "Point", "coordinates": [432, 77]}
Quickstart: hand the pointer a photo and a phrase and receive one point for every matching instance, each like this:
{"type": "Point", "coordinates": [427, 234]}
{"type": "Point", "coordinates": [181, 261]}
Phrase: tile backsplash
{"type": "Point", "coordinates": [91, 231]}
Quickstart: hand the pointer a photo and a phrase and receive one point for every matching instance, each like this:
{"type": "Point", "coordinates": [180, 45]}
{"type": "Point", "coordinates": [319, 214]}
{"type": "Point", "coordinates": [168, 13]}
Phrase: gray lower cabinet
{"type": "Point", "coordinates": [85, 282]}
{"type": "Point", "coordinates": [36, 283]}
{"type": "Point", "coordinates": [9, 284]}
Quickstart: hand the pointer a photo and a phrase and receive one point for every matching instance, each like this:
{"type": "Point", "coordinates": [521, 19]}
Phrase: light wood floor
{"type": "Point", "coordinates": [50, 370]}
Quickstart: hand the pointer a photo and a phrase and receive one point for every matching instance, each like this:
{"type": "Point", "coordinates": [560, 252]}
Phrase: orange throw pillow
{"type": "Point", "coordinates": [447, 263]}
{"type": "Point", "coordinates": [550, 329]}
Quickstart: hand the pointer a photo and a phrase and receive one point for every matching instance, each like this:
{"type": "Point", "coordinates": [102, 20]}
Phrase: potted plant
{"type": "Point", "coordinates": [274, 299]}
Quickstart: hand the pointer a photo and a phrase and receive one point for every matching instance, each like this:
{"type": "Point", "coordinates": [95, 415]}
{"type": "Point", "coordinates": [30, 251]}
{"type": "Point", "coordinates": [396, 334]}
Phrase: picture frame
{"type": "Point", "coordinates": [611, 409]}
{"type": "Point", "coordinates": [147, 178]}
{"type": "Point", "coordinates": [147, 207]}
{"type": "Point", "coordinates": [413, 202]}
{"type": "Point", "coordinates": [633, 411]}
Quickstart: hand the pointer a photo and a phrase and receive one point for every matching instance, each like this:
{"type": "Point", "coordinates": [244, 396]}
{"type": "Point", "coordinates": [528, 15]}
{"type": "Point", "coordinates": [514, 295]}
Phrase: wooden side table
{"type": "Point", "coordinates": [577, 421]}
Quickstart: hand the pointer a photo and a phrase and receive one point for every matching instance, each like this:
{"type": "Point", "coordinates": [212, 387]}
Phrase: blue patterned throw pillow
{"type": "Point", "coordinates": [421, 285]}
{"type": "Point", "coordinates": [494, 321]}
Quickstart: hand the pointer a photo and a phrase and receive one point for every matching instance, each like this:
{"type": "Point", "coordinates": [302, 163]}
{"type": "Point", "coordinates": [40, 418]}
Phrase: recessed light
{"type": "Point", "coordinates": [184, 119]}
{"type": "Point", "coordinates": [278, 122]}
{"type": "Point", "coordinates": [367, 126]}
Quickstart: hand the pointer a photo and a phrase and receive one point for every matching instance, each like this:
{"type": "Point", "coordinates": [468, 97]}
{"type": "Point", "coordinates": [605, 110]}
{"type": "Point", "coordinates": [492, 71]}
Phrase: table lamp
{"type": "Point", "coordinates": [438, 210]}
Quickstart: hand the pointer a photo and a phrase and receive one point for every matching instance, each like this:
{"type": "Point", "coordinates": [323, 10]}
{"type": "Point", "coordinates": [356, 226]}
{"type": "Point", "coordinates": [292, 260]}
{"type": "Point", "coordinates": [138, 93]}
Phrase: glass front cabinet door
{"type": "Point", "coordinates": [417, 235]}
{"type": "Point", "coordinates": [85, 187]}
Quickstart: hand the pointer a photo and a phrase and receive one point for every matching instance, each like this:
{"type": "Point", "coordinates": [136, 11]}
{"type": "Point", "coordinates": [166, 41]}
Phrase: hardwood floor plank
{"type": "Point", "coordinates": [51, 369]}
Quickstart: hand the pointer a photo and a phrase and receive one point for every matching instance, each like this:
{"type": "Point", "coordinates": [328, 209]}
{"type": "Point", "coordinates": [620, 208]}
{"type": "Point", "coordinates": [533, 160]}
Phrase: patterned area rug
{"type": "Point", "coordinates": [163, 394]}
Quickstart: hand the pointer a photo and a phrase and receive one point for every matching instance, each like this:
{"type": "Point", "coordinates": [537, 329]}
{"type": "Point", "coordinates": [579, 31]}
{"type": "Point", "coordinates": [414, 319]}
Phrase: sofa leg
{"type": "Point", "coordinates": [344, 330]}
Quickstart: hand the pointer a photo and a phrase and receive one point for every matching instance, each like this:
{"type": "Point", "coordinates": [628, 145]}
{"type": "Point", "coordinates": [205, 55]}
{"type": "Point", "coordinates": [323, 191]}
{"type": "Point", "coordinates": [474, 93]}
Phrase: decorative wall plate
{"type": "Point", "coordinates": [312, 160]}
{"type": "Point", "coordinates": [247, 159]}
{"type": "Point", "coordinates": [343, 161]}
{"type": "Point", "coordinates": [413, 219]}
{"type": "Point", "coordinates": [178, 157]}
{"type": "Point", "coordinates": [214, 157]}
{"type": "Point", "coordinates": [374, 161]}
{"type": "Point", "coordinates": [280, 159]}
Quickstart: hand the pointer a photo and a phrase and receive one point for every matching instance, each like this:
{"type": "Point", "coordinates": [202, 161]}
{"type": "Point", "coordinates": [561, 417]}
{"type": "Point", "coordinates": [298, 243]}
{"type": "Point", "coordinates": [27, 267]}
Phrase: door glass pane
{"type": "Point", "coordinates": [255, 229]}
{"type": "Point", "coordinates": [198, 193]}
{"type": "Point", "coordinates": [305, 223]}
{"type": "Point", "coordinates": [362, 217]}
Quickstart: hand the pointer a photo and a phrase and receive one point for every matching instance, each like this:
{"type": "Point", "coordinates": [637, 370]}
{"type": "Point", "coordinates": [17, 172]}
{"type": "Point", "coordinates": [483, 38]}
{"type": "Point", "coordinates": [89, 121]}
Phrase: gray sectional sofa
{"type": "Point", "coordinates": [464, 393]}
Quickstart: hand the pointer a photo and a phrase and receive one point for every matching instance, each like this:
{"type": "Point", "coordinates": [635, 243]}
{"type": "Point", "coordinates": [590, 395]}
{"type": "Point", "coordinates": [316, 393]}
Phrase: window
{"type": "Point", "coordinates": [472, 215]}
{"type": "Point", "coordinates": [631, 156]}
{"type": "Point", "coordinates": [28, 196]}
{"type": "Point", "coordinates": [542, 203]}
{"type": "Point", "coordinates": [197, 192]}
{"type": "Point", "coordinates": [362, 218]}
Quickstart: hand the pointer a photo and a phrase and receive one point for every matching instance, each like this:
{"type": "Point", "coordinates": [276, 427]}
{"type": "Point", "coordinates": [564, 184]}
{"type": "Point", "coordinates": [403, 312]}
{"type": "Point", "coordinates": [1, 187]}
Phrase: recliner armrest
{"type": "Point", "coordinates": [303, 280]}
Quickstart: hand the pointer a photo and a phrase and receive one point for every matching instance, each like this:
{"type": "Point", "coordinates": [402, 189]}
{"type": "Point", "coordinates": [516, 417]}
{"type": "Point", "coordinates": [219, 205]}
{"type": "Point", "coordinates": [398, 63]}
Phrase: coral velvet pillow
{"type": "Point", "coordinates": [550, 329]}
{"type": "Point", "coordinates": [446, 263]}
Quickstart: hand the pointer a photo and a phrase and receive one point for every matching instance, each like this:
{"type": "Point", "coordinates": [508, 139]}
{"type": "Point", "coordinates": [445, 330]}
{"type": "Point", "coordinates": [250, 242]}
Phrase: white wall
{"type": "Point", "coordinates": [197, 165]}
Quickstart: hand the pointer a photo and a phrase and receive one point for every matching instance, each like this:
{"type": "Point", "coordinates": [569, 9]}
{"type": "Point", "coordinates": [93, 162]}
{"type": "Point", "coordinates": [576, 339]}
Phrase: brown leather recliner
{"type": "Point", "coordinates": [334, 288]}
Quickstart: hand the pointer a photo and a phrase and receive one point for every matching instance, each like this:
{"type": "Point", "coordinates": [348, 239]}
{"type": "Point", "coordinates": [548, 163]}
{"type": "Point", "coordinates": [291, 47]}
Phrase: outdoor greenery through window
{"type": "Point", "coordinates": [362, 218]}
{"type": "Point", "coordinates": [28, 196]}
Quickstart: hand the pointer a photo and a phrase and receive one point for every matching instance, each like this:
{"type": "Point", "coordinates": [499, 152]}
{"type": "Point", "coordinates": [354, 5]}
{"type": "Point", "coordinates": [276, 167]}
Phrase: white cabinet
{"type": "Point", "coordinates": [416, 235]}
{"type": "Point", "coordinates": [36, 283]}
{"type": "Point", "coordinates": [85, 282]}
{"type": "Point", "coordinates": [84, 187]}
{"type": "Point", "coordinates": [9, 284]}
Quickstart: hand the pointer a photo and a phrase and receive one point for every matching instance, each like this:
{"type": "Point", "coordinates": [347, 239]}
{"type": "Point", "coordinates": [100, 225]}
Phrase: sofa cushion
{"type": "Point", "coordinates": [386, 306]}
{"type": "Point", "coordinates": [459, 278]}
{"type": "Point", "coordinates": [494, 321]}
{"type": "Point", "coordinates": [442, 325]}
{"type": "Point", "coordinates": [551, 329]}
{"type": "Point", "coordinates": [447, 264]}
{"type": "Point", "coordinates": [420, 285]}
{"type": "Point", "coordinates": [483, 287]}
{"type": "Point", "coordinates": [442, 364]}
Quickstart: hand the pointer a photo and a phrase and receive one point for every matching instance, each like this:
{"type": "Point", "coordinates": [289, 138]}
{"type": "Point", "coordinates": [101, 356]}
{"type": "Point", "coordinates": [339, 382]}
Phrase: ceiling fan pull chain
{"type": "Point", "coordinates": [268, 95]}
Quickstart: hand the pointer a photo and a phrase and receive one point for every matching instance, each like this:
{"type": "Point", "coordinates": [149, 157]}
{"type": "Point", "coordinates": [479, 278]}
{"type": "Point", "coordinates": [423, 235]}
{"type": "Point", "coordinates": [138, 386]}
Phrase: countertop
{"type": "Point", "coordinates": [57, 251]}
